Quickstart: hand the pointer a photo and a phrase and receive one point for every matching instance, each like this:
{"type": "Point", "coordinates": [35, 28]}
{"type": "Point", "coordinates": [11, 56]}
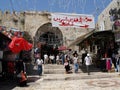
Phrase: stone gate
{"type": "Point", "coordinates": [38, 25]}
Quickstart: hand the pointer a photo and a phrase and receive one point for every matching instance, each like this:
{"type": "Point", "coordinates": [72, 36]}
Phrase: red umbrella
{"type": "Point", "coordinates": [26, 45]}
{"type": "Point", "coordinates": [19, 44]}
{"type": "Point", "coordinates": [61, 48]}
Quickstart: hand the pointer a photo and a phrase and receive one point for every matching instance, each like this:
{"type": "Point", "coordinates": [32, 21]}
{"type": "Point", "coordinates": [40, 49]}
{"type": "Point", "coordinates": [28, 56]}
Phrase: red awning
{"type": "Point", "coordinates": [19, 44]}
{"type": "Point", "coordinates": [61, 48]}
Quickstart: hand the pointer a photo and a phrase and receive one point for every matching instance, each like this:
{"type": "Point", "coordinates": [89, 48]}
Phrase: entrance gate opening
{"type": "Point", "coordinates": [50, 37]}
{"type": "Point", "coordinates": [51, 43]}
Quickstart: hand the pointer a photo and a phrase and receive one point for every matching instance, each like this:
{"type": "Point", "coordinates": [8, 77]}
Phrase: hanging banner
{"type": "Point", "coordinates": [72, 20]}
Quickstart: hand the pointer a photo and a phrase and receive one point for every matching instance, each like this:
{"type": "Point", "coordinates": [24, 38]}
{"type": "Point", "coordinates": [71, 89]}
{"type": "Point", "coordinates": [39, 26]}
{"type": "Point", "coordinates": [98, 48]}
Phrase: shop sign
{"type": "Point", "coordinates": [72, 20]}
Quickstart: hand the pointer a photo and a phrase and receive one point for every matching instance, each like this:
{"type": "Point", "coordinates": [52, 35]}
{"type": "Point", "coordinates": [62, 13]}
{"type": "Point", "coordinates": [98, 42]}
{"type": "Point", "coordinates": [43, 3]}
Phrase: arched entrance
{"type": "Point", "coordinates": [50, 38]}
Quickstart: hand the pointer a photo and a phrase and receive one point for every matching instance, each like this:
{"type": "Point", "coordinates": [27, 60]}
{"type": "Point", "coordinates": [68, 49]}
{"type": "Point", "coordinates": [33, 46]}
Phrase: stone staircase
{"type": "Point", "coordinates": [54, 72]}
{"type": "Point", "coordinates": [54, 69]}
{"type": "Point", "coordinates": [59, 69]}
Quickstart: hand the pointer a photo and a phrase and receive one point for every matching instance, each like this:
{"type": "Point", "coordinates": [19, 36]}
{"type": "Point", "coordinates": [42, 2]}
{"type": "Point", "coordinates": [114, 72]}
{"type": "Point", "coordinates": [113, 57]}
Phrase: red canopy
{"type": "Point", "coordinates": [61, 48]}
{"type": "Point", "coordinates": [19, 44]}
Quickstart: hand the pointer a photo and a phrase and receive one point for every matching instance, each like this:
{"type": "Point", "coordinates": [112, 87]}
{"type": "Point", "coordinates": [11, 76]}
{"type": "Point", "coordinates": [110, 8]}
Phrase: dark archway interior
{"type": "Point", "coordinates": [50, 45]}
{"type": "Point", "coordinates": [50, 37]}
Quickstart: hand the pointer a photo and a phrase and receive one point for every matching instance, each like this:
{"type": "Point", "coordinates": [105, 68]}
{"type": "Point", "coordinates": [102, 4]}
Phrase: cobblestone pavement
{"type": "Point", "coordinates": [97, 80]}
{"type": "Point", "coordinates": [80, 81]}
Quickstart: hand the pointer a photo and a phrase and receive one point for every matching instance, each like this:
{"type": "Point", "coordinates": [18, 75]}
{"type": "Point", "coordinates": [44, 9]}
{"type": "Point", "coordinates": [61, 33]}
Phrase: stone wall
{"type": "Point", "coordinates": [31, 21]}
{"type": "Point", "coordinates": [12, 20]}
{"type": "Point", "coordinates": [104, 22]}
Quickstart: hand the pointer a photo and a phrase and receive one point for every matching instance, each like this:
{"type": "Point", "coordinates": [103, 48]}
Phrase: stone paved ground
{"type": "Point", "coordinates": [97, 80]}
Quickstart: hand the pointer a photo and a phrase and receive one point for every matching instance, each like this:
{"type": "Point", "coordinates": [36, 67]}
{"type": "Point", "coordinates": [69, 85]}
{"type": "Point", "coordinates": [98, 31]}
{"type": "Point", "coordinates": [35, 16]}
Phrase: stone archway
{"type": "Point", "coordinates": [48, 34]}
{"type": "Point", "coordinates": [50, 37]}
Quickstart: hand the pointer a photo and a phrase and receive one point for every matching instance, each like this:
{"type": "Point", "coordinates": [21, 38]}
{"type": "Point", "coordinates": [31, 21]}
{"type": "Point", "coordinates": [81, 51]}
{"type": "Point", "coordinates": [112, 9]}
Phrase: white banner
{"type": "Point", "coordinates": [72, 20]}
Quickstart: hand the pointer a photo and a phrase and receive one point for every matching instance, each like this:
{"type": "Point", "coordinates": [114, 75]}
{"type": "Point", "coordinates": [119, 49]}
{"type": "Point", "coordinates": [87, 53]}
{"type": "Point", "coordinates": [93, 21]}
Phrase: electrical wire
{"type": "Point", "coordinates": [35, 2]}
{"type": "Point", "coordinates": [27, 6]}
{"type": "Point", "coordinates": [51, 4]}
{"type": "Point", "coordinates": [11, 2]}
{"type": "Point", "coordinates": [84, 4]}
{"type": "Point", "coordinates": [19, 5]}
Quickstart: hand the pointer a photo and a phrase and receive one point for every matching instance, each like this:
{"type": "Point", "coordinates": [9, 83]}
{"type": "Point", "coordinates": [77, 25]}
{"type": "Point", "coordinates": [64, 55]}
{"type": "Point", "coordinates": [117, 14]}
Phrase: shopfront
{"type": "Point", "coordinates": [13, 48]}
{"type": "Point", "coordinates": [6, 56]}
{"type": "Point", "coordinates": [98, 44]}
{"type": "Point", "coordinates": [117, 39]}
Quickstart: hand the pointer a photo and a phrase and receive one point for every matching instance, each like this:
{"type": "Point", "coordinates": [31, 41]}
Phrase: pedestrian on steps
{"type": "Point", "coordinates": [39, 63]}
{"type": "Point", "coordinates": [88, 62]}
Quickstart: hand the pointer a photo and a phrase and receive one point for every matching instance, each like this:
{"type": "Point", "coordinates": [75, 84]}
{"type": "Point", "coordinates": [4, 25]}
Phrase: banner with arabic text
{"type": "Point", "coordinates": [72, 20]}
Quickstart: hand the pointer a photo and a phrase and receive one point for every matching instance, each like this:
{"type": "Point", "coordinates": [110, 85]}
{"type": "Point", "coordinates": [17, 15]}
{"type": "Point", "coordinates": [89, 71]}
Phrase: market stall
{"type": "Point", "coordinates": [12, 45]}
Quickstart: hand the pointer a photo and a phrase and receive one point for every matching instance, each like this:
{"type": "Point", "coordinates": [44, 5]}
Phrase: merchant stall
{"type": "Point", "coordinates": [101, 44]}
{"type": "Point", "coordinates": [97, 43]}
{"type": "Point", "coordinates": [14, 48]}
{"type": "Point", "coordinates": [6, 57]}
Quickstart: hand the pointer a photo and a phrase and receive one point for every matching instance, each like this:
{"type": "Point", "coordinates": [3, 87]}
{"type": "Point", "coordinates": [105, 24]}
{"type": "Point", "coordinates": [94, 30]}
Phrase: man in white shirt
{"type": "Point", "coordinates": [52, 57]}
{"type": "Point", "coordinates": [45, 59]}
{"type": "Point", "coordinates": [88, 62]}
{"type": "Point", "coordinates": [58, 59]}
{"type": "Point", "coordinates": [39, 63]}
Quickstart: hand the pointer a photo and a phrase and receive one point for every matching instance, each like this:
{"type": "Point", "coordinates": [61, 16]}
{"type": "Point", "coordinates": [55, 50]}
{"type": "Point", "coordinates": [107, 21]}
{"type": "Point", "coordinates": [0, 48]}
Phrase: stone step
{"type": "Point", "coordinates": [59, 69]}
{"type": "Point", "coordinates": [77, 76]}
{"type": "Point", "coordinates": [62, 71]}
{"type": "Point", "coordinates": [54, 71]}
{"type": "Point", "coordinates": [53, 66]}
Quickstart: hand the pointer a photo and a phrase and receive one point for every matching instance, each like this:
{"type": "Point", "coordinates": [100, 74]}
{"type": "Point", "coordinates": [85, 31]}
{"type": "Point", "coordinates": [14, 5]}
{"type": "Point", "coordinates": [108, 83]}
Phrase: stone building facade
{"type": "Point", "coordinates": [38, 25]}
{"type": "Point", "coordinates": [109, 19]}
{"type": "Point", "coordinates": [104, 19]}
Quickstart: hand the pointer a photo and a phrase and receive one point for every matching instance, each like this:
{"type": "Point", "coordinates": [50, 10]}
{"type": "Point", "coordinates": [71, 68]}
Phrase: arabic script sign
{"type": "Point", "coordinates": [72, 20]}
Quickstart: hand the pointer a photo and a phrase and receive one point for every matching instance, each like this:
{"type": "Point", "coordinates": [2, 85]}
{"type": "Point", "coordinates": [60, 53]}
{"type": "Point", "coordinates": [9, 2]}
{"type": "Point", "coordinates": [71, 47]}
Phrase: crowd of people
{"type": "Point", "coordinates": [70, 58]}
{"type": "Point", "coordinates": [67, 59]}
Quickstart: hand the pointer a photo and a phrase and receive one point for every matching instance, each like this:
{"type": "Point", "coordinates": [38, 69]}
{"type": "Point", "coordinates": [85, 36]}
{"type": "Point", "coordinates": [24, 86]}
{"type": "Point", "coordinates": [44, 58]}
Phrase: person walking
{"type": "Point", "coordinates": [67, 67]}
{"type": "Point", "coordinates": [45, 58]}
{"type": "Point", "coordinates": [88, 62]}
{"type": "Point", "coordinates": [108, 64]}
{"type": "Point", "coordinates": [75, 60]}
{"type": "Point", "coordinates": [114, 60]}
{"type": "Point", "coordinates": [39, 63]}
{"type": "Point", "coordinates": [84, 54]}
{"type": "Point", "coordinates": [58, 59]}
{"type": "Point", "coordinates": [118, 63]}
{"type": "Point", "coordinates": [52, 58]}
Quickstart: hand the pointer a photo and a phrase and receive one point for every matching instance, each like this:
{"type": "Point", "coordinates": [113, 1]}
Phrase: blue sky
{"type": "Point", "coordinates": [64, 6]}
